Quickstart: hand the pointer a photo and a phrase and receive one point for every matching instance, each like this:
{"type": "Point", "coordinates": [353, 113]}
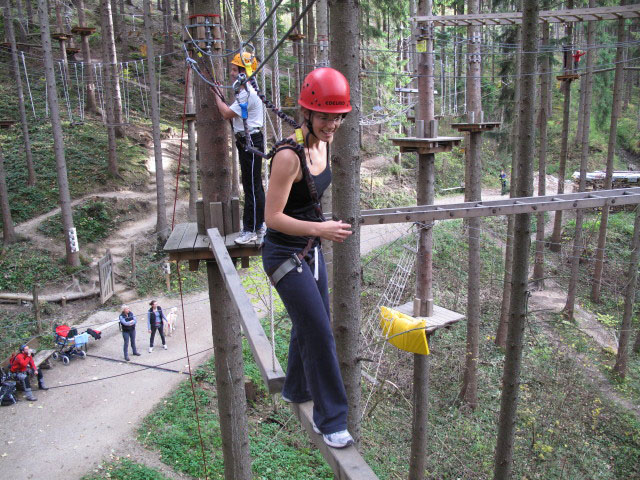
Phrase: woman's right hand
{"type": "Point", "coordinates": [336, 231]}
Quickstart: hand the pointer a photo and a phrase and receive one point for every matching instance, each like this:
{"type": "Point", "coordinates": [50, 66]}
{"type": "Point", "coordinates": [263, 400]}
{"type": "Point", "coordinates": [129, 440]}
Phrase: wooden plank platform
{"type": "Point", "coordinates": [426, 145]}
{"type": "Point", "coordinates": [185, 243]}
{"type": "Point", "coordinates": [270, 368]}
{"type": "Point", "coordinates": [346, 463]}
{"type": "Point", "coordinates": [7, 123]}
{"type": "Point", "coordinates": [475, 127]}
{"type": "Point", "coordinates": [60, 36]}
{"type": "Point", "coordinates": [549, 16]}
{"type": "Point", "coordinates": [568, 77]}
{"type": "Point", "coordinates": [441, 318]}
{"type": "Point", "coordinates": [511, 206]}
{"type": "Point", "coordinates": [83, 30]}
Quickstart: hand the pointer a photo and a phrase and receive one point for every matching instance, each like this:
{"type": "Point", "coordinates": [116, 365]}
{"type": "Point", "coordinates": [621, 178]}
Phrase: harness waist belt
{"type": "Point", "coordinates": [240, 135]}
{"type": "Point", "coordinates": [285, 267]}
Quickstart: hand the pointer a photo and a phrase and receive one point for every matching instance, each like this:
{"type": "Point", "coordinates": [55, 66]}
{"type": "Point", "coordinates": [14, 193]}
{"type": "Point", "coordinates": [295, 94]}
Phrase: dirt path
{"type": "Point", "coordinates": [72, 428]}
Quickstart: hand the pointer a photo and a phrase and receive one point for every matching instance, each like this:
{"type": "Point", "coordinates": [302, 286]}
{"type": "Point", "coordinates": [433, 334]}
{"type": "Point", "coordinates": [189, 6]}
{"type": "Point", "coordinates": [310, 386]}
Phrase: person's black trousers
{"type": "Point", "coordinates": [251, 173]}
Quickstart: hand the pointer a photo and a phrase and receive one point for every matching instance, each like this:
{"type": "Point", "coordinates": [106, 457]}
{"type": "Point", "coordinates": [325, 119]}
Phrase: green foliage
{"type": "Point", "coordinates": [277, 452]}
{"type": "Point", "coordinates": [124, 469]}
{"type": "Point", "coordinates": [94, 220]}
{"type": "Point", "coordinates": [23, 266]}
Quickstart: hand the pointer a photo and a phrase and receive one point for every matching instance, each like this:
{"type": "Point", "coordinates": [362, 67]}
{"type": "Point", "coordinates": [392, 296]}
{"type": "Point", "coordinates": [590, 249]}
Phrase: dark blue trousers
{"type": "Point", "coordinates": [313, 372]}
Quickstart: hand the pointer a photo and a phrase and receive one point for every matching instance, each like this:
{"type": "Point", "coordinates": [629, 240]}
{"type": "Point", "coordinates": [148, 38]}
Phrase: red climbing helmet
{"type": "Point", "coordinates": [325, 90]}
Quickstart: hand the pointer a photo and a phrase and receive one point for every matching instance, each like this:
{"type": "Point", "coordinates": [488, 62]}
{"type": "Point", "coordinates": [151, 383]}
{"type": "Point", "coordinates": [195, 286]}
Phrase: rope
{"type": "Point", "coordinates": [184, 116]}
{"type": "Point", "coordinates": [276, 78]}
{"type": "Point", "coordinates": [26, 76]}
{"type": "Point", "coordinates": [193, 388]}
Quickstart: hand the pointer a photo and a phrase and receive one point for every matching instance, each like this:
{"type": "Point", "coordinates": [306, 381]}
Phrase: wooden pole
{"type": "Point", "coordinates": [556, 236]}
{"type": "Point", "coordinates": [161, 208]}
{"type": "Point", "coordinates": [423, 302]}
{"type": "Point", "coordinates": [8, 22]}
{"type": "Point", "coordinates": [92, 104]}
{"type": "Point", "coordinates": [503, 461]}
{"type": "Point", "coordinates": [576, 251]}
{"type": "Point", "coordinates": [73, 257]}
{"type": "Point", "coordinates": [345, 161]}
{"type": "Point", "coordinates": [215, 170]}
{"type": "Point", "coordinates": [133, 264]}
{"type": "Point", "coordinates": [544, 113]}
{"type": "Point", "coordinates": [36, 308]}
{"type": "Point", "coordinates": [620, 367]}
{"type": "Point", "coordinates": [473, 190]}
{"type": "Point", "coordinates": [613, 133]}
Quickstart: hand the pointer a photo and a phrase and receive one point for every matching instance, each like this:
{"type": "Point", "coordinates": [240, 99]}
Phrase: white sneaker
{"type": "Point", "coordinates": [261, 233]}
{"type": "Point", "coordinates": [150, 349]}
{"type": "Point", "coordinates": [341, 439]}
{"type": "Point", "coordinates": [164, 346]}
{"type": "Point", "coordinates": [246, 238]}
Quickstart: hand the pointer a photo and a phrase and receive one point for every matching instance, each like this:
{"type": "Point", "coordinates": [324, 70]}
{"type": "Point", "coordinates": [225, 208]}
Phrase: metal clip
{"type": "Point", "coordinates": [297, 261]}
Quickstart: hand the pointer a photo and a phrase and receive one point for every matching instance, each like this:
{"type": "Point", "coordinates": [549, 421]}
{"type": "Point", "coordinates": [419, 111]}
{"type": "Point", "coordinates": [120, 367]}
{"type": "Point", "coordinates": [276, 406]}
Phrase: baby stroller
{"type": "Point", "coordinates": [69, 343]}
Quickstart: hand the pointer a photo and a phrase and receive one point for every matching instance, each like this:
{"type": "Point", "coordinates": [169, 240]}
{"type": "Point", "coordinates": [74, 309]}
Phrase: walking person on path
{"type": "Point", "coordinates": [292, 255]}
{"type": "Point", "coordinates": [248, 106]}
{"type": "Point", "coordinates": [128, 325]}
{"type": "Point", "coordinates": [155, 319]}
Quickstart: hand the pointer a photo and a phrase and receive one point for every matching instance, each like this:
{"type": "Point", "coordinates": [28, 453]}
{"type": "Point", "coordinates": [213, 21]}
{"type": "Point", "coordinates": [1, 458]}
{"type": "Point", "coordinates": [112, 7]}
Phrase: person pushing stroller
{"type": "Point", "coordinates": [23, 366]}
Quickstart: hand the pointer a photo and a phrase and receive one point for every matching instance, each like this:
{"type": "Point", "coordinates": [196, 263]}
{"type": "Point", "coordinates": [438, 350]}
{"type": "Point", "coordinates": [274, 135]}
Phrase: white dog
{"type": "Point", "coordinates": [172, 320]}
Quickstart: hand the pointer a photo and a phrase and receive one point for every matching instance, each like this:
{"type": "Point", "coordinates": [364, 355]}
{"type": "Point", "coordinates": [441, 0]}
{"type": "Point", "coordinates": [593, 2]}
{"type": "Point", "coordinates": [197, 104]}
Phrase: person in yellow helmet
{"type": "Point", "coordinates": [247, 104]}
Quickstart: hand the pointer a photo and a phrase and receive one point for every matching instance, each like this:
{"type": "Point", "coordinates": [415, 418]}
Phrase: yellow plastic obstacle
{"type": "Point", "coordinates": [394, 324]}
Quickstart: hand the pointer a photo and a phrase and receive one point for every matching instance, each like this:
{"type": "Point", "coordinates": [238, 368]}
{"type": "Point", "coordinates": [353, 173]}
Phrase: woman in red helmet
{"type": "Point", "coordinates": [292, 254]}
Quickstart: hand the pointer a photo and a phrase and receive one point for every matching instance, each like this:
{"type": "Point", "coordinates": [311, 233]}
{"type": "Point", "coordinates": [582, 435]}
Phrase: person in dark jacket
{"type": "Point", "coordinates": [23, 366]}
{"type": "Point", "coordinates": [128, 324]}
{"type": "Point", "coordinates": [155, 319]}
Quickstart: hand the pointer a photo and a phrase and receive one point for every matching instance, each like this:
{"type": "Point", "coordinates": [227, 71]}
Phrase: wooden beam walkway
{"type": "Point", "coordinates": [347, 463]}
{"type": "Point", "coordinates": [550, 16]}
{"type": "Point", "coordinates": [511, 206]}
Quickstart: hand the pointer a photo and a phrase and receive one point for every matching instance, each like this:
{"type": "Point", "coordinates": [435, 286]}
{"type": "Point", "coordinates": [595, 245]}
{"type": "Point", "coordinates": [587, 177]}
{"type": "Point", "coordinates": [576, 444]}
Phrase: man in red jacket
{"type": "Point", "coordinates": [22, 365]}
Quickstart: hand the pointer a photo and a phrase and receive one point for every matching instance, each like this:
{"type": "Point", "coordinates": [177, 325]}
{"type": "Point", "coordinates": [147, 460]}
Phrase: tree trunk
{"type": "Point", "coordinates": [215, 171]}
{"type": "Point", "coordinates": [8, 232]}
{"type": "Point", "coordinates": [613, 129]}
{"type": "Point", "coordinates": [23, 28]}
{"type": "Point", "coordinates": [544, 114]}
{"type": "Point", "coordinates": [18, 80]}
{"type": "Point", "coordinates": [473, 190]}
{"type": "Point", "coordinates": [311, 41]}
{"type": "Point", "coordinates": [323, 33]}
{"type": "Point", "coordinates": [555, 244]}
{"type": "Point", "coordinates": [577, 239]}
{"type": "Point", "coordinates": [112, 156]}
{"type": "Point", "coordinates": [636, 345]}
{"type": "Point", "coordinates": [580, 128]}
{"type": "Point", "coordinates": [92, 104]}
{"type": "Point", "coordinates": [73, 258]}
{"type": "Point", "coordinates": [29, 12]}
{"type": "Point", "coordinates": [629, 300]}
{"type": "Point", "coordinates": [110, 61]}
{"type": "Point", "coordinates": [161, 208]}
{"type": "Point", "coordinates": [116, 20]}
{"type": "Point", "coordinates": [505, 312]}
{"type": "Point", "coordinates": [345, 161]}
{"type": "Point", "coordinates": [168, 27]}
{"type": "Point", "coordinates": [193, 162]}
{"type": "Point", "coordinates": [503, 462]}
{"type": "Point", "coordinates": [423, 303]}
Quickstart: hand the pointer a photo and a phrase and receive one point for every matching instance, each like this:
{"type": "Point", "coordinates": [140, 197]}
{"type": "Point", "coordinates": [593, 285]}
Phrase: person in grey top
{"type": "Point", "coordinates": [128, 326]}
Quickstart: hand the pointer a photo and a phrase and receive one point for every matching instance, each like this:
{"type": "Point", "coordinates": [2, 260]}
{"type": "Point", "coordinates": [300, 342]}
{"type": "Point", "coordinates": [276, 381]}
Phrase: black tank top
{"type": "Point", "coordinates": [300, 206]}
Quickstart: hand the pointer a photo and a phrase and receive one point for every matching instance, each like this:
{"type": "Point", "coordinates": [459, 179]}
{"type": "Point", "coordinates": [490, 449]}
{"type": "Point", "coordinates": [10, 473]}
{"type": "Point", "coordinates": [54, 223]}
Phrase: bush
{"type": "Point", "coordinates": [94, 220]}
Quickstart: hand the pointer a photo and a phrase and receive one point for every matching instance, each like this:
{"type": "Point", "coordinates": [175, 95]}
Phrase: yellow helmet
{"type": "Point", "coordinates": [248, 61]}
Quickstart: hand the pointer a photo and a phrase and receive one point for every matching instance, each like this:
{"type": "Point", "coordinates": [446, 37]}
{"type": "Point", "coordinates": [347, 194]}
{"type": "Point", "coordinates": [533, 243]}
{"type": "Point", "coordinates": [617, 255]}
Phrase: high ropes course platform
{"type": "Point", "coordinates": [549, 16]}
